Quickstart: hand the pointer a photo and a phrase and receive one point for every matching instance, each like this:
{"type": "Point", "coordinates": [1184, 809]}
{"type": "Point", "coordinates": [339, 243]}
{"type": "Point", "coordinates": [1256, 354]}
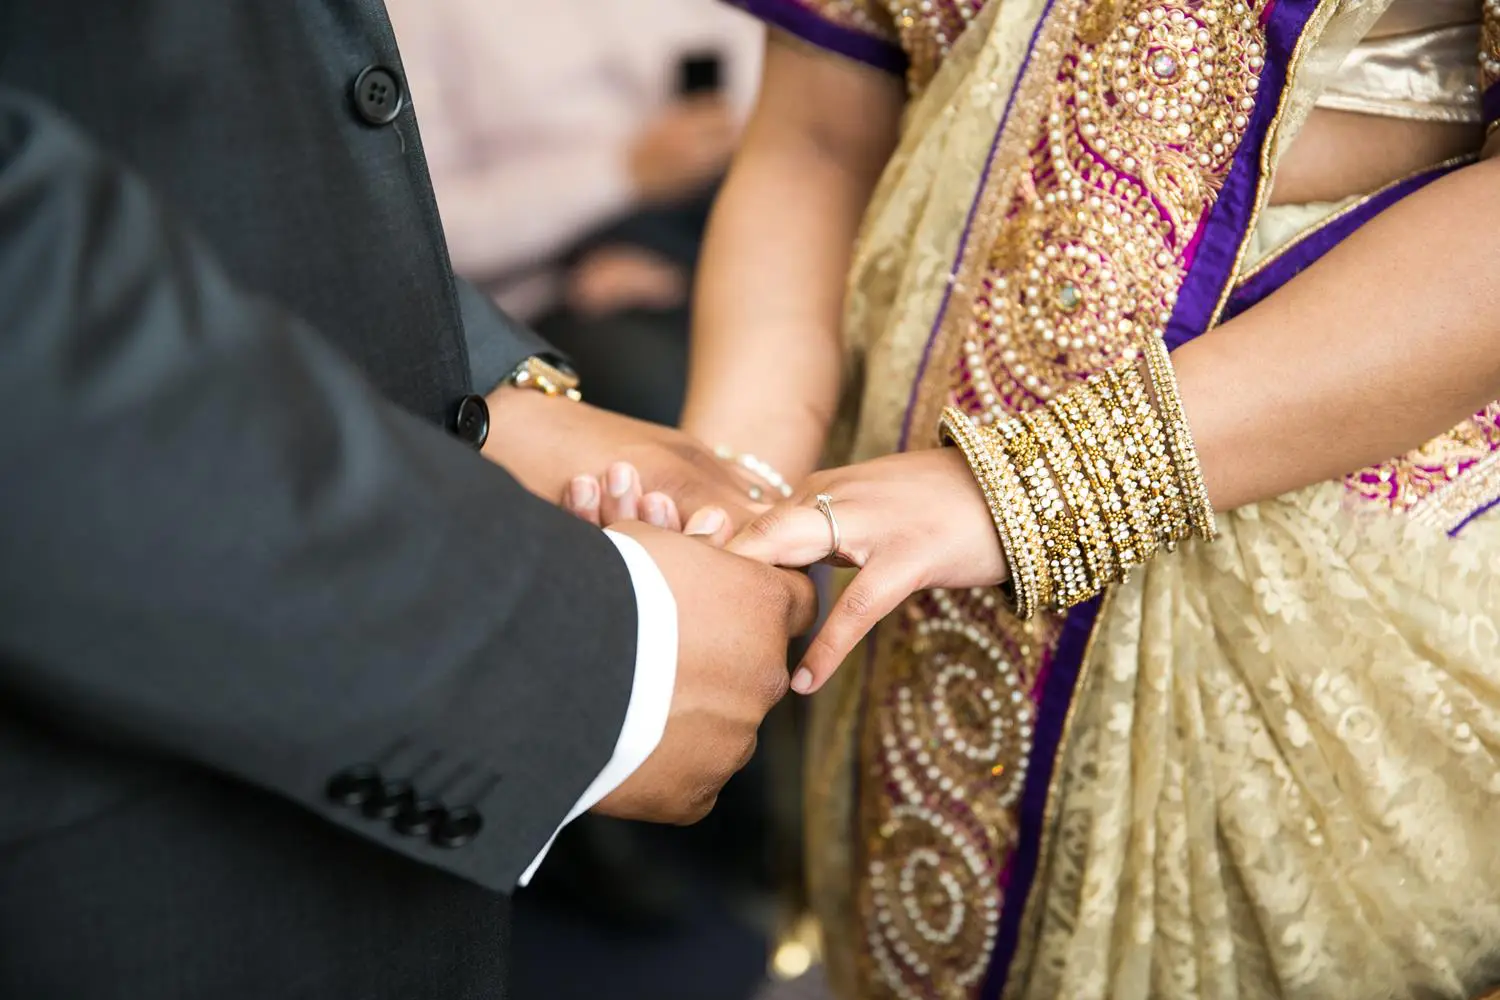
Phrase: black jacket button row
{"type": "Point", "coordinates": [353, 787]}
{"type": "Point", "coordinates": [463, 822]}
{"type": "Point", "coordinates": [419, 818]}
{"type": "Point", "coordinates": [396, 801]}
{"type": "Point", "coordinates": [459, 827]}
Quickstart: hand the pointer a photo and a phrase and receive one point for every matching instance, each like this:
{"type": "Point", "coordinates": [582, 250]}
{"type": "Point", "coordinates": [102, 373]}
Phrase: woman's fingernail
{"type": "Point", "coordinates": [584, 493]}
{"type": "Point", "coordinates": [802, 680]}
{"type": "Point", "coordinates": [705, 522]}
{"type": "Point", "coordinates": [619, 480]}
{"type": "Point", "coordinates": [656, 511]}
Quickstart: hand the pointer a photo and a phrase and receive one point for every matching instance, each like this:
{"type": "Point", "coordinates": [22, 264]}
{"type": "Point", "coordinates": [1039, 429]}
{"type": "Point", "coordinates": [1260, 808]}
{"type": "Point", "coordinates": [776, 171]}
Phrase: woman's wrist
{"type": "Point", "coordinates": [766, 482]}
{"type": "Point", "coordinates": [786, 446]}
{"type": "Point", "coordinates": [1091, 485]}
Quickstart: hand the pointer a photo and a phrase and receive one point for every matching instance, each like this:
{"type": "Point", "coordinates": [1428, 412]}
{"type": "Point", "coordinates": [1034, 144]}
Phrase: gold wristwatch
{"type": "Point", "coordinates": [547, 378]}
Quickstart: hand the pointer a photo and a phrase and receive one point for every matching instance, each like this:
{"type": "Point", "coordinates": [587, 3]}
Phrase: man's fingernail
{"type": "Point", "coordinates": [802, 680]}
{"type": "Point", "coordinates": [656, 511]}
{"type": "Point", "coordinates": [705, 522]}
{"type": "Point", "coordinates": [619, 480]}
{"type": "Point", "coordinates": [584, 493]}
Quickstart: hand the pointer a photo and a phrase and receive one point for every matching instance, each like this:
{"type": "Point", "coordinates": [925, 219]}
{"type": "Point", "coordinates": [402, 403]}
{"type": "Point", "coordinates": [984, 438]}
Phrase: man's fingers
{"type": "Point", "coordinates": [698, 479]}
{"type": "Point", "coordinates": [802, 612]}
{"type": "Point", "coordinates": [660, 510]}
{"type": "Point", "coordinates": [875, 592]}
{"type": "Point", "coordinates": [582, 499]}
{"type": "Point", "coordinates": [711, 524]}
{"type": "Point", "coordinates": [785, 536]}
{"type": "Point", "coordinates": [622, 494]}
{"type": "Point", "coordinates": [710, 493]}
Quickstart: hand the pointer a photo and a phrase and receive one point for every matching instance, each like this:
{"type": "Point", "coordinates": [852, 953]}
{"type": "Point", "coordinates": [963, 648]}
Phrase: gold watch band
{"type": "Point", "coordinates": [546, 378]}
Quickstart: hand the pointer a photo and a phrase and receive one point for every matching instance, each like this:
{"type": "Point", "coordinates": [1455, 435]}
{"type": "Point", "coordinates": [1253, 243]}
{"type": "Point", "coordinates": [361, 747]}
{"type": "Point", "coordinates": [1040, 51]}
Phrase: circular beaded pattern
{"type": "Point", "coordinates": [1135, 137]}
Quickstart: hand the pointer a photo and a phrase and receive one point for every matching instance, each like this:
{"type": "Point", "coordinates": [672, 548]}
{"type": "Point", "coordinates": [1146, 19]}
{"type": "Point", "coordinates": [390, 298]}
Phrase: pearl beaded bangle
{"type": "Point", "coordinates": [761, 470]}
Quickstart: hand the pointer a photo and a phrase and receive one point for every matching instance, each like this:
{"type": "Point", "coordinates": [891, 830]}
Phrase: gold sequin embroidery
{"type": "Point", "coordinates": [1121, 136]}
{"type": "Point", "coordinates": [867, 16]}
{"type": "Point", "coordinates": [1110, 202]}
{"type": "Point", "coordinates": [926, 30]}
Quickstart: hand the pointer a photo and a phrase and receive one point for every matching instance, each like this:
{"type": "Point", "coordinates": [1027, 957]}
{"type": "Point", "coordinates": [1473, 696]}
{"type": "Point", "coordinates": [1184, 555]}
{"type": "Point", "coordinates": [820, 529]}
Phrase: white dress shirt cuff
{"type": "Point", "coordinates": [650, 692]}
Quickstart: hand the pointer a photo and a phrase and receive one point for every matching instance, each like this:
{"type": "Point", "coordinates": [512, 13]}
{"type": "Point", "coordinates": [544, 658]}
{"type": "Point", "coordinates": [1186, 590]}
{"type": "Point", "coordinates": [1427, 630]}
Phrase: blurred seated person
{"type": "Point", "coordinates": [575, 146]}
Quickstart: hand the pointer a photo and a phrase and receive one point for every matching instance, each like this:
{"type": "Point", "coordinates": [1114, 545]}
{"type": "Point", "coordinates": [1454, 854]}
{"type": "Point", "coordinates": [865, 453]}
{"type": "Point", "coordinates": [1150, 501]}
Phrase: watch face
{"type": "Point", "coordinates": [549, 378]}
{"type": "Point", "coordinates": [563, 377]}
{"type": "Point", "coordinates": [562, 367]}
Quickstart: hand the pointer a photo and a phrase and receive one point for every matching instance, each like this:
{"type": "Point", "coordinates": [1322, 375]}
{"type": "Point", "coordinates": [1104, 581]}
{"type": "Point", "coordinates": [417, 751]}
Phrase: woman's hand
{"type": "Point", "coordinates": [910, 522]}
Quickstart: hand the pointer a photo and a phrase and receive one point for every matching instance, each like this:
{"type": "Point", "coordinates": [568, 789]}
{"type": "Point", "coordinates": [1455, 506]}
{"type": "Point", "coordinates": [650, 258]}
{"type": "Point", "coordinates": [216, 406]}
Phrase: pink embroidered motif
{"type": "Point", "coordinates": [1443, 482]}
{"type": "Point", "coordinates": [925, 30]}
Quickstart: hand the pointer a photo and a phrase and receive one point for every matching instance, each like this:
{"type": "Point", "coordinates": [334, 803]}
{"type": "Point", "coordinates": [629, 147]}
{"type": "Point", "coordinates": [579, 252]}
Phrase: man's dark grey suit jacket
{"type": "Point", "coordinates": [292, 683]}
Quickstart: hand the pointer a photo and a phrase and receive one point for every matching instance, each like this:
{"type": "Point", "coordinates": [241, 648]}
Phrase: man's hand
{"type": "Point", "coordinates": [684, 150]}
{"type": "Point", "coordinates": [735, 619]}
{"type": "Point", "coordinates": [546, 441]}
{"type": "Point", "coordinates": [616, 278]}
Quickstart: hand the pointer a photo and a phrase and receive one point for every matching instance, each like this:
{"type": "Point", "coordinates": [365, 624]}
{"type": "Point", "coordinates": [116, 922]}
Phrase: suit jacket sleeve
{"type": "Point", "coordinates": [497, 343]}
{"type": "Point", "coordinates": [220, 544]}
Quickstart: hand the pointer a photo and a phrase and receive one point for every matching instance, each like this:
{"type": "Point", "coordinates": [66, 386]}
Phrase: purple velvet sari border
{"type": "Point", "coordinates": [799, 20]}
{"type": "Point", "coordinates": [1489, 103]}
{"type": "Point", "coordinates": [1052, 717]}
{"type": "Point", "coordinates": [1301, 254]}
{"type": "Point", "coordinates": [963, 240]}
{"type": "Point", "coordinates": [1224, 230]}
{"type": "Point", "coordinates": [1216, 254]}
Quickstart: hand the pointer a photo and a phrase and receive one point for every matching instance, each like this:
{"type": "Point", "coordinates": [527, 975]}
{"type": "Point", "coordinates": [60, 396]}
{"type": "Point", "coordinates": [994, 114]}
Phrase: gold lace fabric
{"type": "Point", "coordinates": [1282, 778]}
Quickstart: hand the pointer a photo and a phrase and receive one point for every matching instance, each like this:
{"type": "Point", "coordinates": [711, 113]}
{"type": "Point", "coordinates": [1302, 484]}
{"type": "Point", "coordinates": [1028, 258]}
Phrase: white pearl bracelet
{"type": "Point", "coordinates": [759, 469]}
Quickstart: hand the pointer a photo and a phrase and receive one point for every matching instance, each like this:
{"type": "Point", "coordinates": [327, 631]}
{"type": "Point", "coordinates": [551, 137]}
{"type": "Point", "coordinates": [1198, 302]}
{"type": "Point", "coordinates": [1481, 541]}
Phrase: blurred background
{"type": "Point", "coordinates": [576, 147]}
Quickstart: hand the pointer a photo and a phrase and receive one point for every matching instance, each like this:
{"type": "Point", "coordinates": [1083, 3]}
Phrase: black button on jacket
{"type": "Point", "coordinates": [377, 95]}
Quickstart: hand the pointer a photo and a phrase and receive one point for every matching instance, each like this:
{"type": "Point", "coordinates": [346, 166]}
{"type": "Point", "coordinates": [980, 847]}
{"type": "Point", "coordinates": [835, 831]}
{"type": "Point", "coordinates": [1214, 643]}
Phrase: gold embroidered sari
{"type": "Point", "coordinates": [1265, 767]}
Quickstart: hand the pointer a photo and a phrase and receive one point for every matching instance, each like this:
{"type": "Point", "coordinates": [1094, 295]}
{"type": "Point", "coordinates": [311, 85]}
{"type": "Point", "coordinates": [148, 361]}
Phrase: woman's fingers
{"type": "Point", "coordinates": [792, 536]}
{"type": "Point", "coordinates": [877, 591]}
{"type": "Point", "coordinates": [582, 499]}
{"type": "Point", "coordinates": [622, 494]}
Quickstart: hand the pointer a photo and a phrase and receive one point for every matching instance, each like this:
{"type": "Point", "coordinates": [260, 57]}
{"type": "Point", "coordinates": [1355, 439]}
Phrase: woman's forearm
{"type": "Point", "coordinates": [766, 354]}
{"type": "Point", "coordinates": [1390, 340]}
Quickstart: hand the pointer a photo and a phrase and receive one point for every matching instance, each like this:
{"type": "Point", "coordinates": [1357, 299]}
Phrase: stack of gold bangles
{"type": "Point", "coordinates": [1091, 484]}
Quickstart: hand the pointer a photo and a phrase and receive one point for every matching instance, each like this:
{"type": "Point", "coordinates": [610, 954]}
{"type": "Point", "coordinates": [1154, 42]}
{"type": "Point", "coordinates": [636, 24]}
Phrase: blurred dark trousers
{"type": "Point", "coordinates": [635, 362]}
{"type": "Point", "coordinates": [624, 910]}
{"type": "Point", "coordinates": [632, 362]}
